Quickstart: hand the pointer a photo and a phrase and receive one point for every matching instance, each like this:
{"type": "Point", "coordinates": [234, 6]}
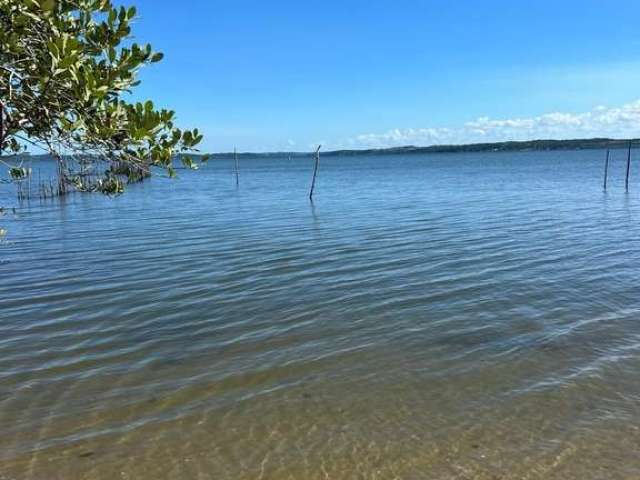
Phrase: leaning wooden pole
{"type": "Point", "coordinates": [1, 126]}
{"type": "Point", "coordinates": [315, 173]}
{"type": "Point", "coordinates": [235, 157]}
{"type": "Point", "coordinates": [606, 170]}
{"type": "Point", "coordinates": [626, 179]}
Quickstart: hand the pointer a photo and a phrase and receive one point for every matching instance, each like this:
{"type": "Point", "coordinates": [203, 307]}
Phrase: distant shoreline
{"type": "Point", "coordinates": [511, 146]}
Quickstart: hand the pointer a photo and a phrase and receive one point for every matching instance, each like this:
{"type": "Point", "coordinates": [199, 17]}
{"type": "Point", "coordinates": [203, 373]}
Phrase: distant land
{"type": "Point", "coordinates": [523, 146]}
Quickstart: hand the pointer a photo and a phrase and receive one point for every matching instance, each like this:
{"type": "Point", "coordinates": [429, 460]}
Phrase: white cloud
{"type": "Point", "coordinates": [617, 122]}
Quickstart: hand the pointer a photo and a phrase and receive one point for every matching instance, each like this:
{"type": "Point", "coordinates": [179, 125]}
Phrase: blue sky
{"type": "Point", "coordinates": [284, 75]}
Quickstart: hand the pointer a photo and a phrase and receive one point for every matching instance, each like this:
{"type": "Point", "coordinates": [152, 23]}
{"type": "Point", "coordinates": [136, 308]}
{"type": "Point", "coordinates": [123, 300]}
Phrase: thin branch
{"type": "Point", "coordinates": [25, 139]}
{"type": "Point", "coordinates": [11, 71]}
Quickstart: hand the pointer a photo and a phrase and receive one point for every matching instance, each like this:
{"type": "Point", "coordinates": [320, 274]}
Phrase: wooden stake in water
{"type": "Point", "coordinates": [606, 170]}
{"type": "Point", "coordinates": [1, 125]}
{"type": "Point", "coordinates": [235, 157]}
{"type": "Point", "coordinates": [626, 180]}
{"type": "Point", "coordinates": [315, 173]}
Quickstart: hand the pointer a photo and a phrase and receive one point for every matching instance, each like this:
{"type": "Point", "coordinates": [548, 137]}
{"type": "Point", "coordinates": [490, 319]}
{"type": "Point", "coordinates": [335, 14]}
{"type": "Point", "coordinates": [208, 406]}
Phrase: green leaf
{"type": "Point", "coordinates": [17, 173]}
{"type": "Point", "coordinates": [188, 162]}
{"type": "Point", "coordinates": [48, 5]}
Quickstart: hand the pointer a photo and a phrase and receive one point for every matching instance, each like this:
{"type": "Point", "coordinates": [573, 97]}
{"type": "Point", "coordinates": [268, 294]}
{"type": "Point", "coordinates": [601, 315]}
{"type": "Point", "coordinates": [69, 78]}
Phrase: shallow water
{"type": "Point", "coordinates": [468, 316]}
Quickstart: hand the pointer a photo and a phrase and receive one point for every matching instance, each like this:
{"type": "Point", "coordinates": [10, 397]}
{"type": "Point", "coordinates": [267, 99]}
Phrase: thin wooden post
{"type": "Point", "coordinates": [1, 126]}
{"type": "Point", "coordinates": [606, 170]}
{"type": "Point", "coordinates": [626, 180]}
{"type": "Point", "coordinates": [235, 157]}
{"type": "Point", "coordinates": [315, 173]}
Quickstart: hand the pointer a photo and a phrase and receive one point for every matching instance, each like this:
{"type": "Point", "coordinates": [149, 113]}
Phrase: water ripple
{"type": "Point", "coordinates": [473, 316]}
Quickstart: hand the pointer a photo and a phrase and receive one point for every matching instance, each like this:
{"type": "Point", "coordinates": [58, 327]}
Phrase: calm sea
{"type": "Point", "coordinates": [472, 316]}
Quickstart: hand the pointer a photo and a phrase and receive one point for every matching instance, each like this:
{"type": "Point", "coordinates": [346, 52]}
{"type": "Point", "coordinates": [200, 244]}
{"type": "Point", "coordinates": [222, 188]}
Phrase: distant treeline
{"type": "Point", "coordinates": [530, 145]}
{"type": "Point", "coordinates": [525, 146]}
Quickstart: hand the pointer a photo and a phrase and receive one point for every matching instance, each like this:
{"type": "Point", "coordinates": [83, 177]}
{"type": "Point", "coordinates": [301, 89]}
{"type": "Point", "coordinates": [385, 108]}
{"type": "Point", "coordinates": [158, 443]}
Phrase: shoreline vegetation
{"type": "Point", "coordinates": [510, 146]}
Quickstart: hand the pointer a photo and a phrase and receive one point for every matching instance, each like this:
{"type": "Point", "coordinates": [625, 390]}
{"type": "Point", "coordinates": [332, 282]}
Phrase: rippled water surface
{"type": "Point", "coordinates": [466, 316]}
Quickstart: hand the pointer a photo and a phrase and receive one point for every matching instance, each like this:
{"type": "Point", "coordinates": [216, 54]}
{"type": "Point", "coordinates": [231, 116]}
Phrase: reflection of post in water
{"type": "Point", "coordinates": [316, 220]}
{"type": "Point", "coordinates": [235, 158]}
{"type": "Point", "coordinates": [606, 170]}
{"type": "Point", "coordinates": [626, 180]}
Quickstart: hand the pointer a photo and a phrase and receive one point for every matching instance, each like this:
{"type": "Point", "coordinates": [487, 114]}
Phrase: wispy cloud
{"type": "Point", "coordinates": [616, 122]}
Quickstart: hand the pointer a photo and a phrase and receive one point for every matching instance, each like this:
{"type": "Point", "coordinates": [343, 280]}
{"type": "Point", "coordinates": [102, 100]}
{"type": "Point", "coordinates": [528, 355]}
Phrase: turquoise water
{"type": "Point", "coordinates": [428, 316]}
